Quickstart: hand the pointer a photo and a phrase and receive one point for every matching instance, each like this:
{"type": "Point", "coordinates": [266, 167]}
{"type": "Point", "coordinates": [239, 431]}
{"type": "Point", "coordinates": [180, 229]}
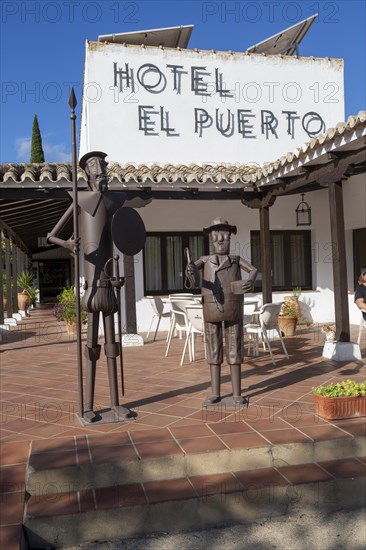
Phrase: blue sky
{"type": "Point", "coordinates": [43, 46]}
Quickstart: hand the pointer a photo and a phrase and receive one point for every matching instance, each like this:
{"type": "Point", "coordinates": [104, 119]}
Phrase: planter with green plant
{"type": "Point", "coordinates": [27, 296]}
{"type": "Point", "coordinates": [65, 310]}
{"type": "Point", "coordinates": [289, 315]}
{"type": "Point", "coordinates": [345, 399]}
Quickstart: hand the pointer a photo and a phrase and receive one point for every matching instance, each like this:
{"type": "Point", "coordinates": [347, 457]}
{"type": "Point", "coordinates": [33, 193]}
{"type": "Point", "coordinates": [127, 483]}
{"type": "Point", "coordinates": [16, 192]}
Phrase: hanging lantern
{"type": "Point", "coordinates": [303, 213]}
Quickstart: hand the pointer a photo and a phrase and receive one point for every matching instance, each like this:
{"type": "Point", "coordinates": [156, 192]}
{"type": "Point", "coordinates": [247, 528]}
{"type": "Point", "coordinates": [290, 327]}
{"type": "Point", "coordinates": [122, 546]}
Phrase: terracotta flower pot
{"type": "Point", "coordinates": [287, 325]}
{"type": "Point", "coordinates": [23, 301]}
{"type": "Point", "coordinates": [335, 408]}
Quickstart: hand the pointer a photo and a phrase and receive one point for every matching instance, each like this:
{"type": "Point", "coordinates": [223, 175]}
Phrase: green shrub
{"type": "Point", "coordinates": [347, 388]}
{"type": "Point", "coordinates": [65, 309]}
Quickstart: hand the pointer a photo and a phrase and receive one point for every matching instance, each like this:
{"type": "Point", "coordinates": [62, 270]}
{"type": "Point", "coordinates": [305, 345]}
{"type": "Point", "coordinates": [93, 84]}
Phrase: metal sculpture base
{"type": "Point", "coordinates": [227, 403]}
{"type": "Point", "coordinates": [106, 416]}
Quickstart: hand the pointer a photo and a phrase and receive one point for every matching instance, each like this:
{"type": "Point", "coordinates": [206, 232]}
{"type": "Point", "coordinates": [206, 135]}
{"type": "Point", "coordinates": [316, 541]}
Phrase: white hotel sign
{"type": "Point", "coordinates": [149, 105]}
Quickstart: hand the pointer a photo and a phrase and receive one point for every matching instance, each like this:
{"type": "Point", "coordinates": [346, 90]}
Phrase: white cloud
{"type": "Point", "coordinates": [52, 152]}
{"type": "Point", "coordinates": [23, 148]}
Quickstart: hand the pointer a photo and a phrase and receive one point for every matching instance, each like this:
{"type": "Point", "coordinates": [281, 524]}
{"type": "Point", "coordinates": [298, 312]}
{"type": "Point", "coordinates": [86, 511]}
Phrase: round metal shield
{"type": "Point", "coordinates": [128, 231]}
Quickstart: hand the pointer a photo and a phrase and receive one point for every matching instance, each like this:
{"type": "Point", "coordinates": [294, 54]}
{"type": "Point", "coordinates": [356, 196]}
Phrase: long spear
{"type": "Point", "coordinates": [72, 104]}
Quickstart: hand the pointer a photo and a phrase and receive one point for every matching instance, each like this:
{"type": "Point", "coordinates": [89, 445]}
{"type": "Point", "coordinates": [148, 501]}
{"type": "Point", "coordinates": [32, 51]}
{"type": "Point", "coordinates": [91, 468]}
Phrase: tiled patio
{"type": "Point", "coordinates": [39, 394]}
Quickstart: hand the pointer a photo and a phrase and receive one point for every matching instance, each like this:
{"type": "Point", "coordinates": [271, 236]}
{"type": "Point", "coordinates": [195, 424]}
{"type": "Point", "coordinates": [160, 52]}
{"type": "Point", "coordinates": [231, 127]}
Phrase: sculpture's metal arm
{"type": "Point", "coordinates": [52, 235]}
{"type": "Point", "coordinates": [248, 284]}
{"type": "Point", "coordinates": [192, 272]}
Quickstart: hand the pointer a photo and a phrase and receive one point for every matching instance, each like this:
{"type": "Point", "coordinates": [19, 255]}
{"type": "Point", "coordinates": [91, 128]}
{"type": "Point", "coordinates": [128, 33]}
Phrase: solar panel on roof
{"type": "Point", "coordinates": [285, 42]}
{"type": "Point", "coordinates": [169, 37]}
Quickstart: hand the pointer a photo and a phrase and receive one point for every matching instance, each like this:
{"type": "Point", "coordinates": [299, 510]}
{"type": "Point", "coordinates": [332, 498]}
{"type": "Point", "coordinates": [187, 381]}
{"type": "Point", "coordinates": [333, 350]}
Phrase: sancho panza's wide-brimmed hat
{"type": "Point", "coordinates": [220, 223]}
{"type": "Point", "coordinates": [87, 156]}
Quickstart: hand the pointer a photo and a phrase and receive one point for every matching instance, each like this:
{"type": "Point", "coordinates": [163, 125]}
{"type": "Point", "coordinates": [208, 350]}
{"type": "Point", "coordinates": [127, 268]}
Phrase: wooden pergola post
{"type": "Point", "coordinates": [339, 261]}
{"type": "Point", "coordinates": [265, 254]}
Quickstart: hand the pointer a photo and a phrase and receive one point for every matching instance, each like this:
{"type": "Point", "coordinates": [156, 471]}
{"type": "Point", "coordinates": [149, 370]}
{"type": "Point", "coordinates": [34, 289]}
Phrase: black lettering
{"type": "Point", "coordinates": [313, 124]}
{"type": "Point", "coordinates": [201, 120]}
{"type": "Point", "coordinates": [147, 125]}
{"type": "Point", "coordinates": [120, 76]}
{"type": "Point", "coordinates": [291, 122]}
{"type": "Point", "coordinates": [229, 130]}
{"type": "Point", "coordinates": [164, 123]}
{"type": "Point", "coordinates": [245, 129]}
{"type": "Point", "coordinates": [177, 77]}
{"type": "Point", "coordinates": [197, 85]}
{"type": "Point", "coordinates": [269, 123]}
{"type": "Point", "coordinates": [219, 85]}
{"type": "Point", "coordinates": [154, 88]}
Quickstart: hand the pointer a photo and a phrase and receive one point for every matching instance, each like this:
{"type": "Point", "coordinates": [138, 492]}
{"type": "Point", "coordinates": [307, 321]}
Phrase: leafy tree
{"type": "Point", "coordinates": [37, 154]}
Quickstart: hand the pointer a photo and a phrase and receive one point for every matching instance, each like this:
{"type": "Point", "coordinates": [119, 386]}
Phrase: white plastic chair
{"type": "Point", "coordinates": [267, 320]}
{"type": "Point", "coordinates": [362, 328]}
{"type": "Point", "coordinates": [179, 322]}
{"type": "Point", "coordinates": [158, 308]}
{"type": "Point", "coordinates": [196, 326]}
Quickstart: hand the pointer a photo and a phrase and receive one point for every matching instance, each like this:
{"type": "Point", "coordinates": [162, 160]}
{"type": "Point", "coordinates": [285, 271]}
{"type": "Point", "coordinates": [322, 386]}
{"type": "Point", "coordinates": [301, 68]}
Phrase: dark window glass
{"type": "Point", "coordinates": [290, 257]}
{"type": "Point", "coordinates": [164, 260]}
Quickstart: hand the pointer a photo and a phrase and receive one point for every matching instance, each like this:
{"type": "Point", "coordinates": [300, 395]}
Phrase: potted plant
{"type": "Point", "coordinates": [65, 309]}
{"type": "Point", "coordinates": [345, 399]}
{"type": "Point", "coordinates": [24, 281]}
{"type": "Point", "coordinates": [288, 317]}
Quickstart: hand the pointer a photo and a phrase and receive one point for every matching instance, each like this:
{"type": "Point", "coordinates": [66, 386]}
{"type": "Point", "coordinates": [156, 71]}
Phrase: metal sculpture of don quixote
{"type": "Point", "coordinates": [222, 298]}
{"type": "Point", "coordinates": [104, 221]}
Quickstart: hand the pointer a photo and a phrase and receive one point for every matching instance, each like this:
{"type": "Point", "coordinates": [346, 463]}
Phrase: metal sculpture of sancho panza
{"type": "Point", "coordinates": [222, 297]}
{"type": "Point", "coordinates": [103, 221]}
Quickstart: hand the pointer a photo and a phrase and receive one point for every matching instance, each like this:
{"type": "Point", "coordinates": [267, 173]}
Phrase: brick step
{"type": "Point", "coordinates": [192, 502]}
{"type": "Point", "coordinates": [99, 464]}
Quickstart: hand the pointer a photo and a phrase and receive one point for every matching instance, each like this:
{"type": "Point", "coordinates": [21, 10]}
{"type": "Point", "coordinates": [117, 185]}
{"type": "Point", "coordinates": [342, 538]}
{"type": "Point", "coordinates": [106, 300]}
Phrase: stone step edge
{"type": "Point", "coordinates": [194, 513]}
{"type": "Point", "coordinates": [176, 466]}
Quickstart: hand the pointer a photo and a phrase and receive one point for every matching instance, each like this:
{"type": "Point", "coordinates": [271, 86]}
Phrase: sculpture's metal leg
{"type": "Point", "coordinates": [92, 354]}
{"type": "Point", "coordinates": [235, 371]}
{"type": "Point", "coordinates": [112, 351]}
{"type": "Point", "coordinates": [215, 384]}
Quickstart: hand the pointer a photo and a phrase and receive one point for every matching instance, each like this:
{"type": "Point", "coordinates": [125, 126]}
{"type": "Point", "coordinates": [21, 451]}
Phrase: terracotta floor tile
{"type": "Point", "coordinates": [215, 484]}
{"type": "Point", "coordinates": [247, 440]}
{"type": "Point", "coordinates": [154, 450]}
{"type": "Point", "coordinates": [120, 496]}
{"type": "Point", "coordinates": [324, 432]}
{"type": "Point", "coordinates": [231, 427]}
{"type": "Point", "coordinates": [58, 504]}
{"type": "Point", "coordinates": [158, 420]}
{"type": "Point", "coordinates": [52, 460]}
{"type": "Point", "coordinates": [12, 505]}
{"type": "Point", "coordinates": [87, 501]}
{"type": "Point", "coordinates": [349, 467]}
{"type": "Point", "coordinates": [116, 438]}
{"type": "Point", "coordinates": [148, 436]}
{"type": "Point", "coordinates": [116, 453]}
{"type": "Point", "coordinates": [266, 424]}
{"type": "Point", "coordinates": [12, 478]}
{"type": "Point", "coordinates": [262, 478]}
{"type": "Point", "coordinates": [353, 427]}
{"type": "Point", "coordinates": [191, 432]}
{"type": "Point", "coordinates": [55, 445]}
{"type": "Point", "coordinates": [201, 444]}
{"type": "Point", "coordinates": [289, 435]}
{"type": "Point", "coordinates": [14, 453]}
{"type": "Point", "coordinates": [171, 489]}
{"type": "Point", "coordinates": [10, 537]}
{"type": "Point", "coordinates": [178, 410]}
{"type": "Point", "coordinates": [305, 473]}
